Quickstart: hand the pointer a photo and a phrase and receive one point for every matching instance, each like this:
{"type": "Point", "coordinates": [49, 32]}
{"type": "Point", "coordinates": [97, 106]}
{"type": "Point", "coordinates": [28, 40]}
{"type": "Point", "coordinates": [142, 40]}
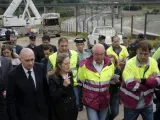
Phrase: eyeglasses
{"type": "Point", "coordinates": [29, 60]}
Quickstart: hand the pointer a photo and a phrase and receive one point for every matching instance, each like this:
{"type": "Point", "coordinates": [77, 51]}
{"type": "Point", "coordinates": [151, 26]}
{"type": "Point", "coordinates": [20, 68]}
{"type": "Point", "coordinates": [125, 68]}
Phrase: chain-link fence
{"type": "Point", "coordinates": [83, 19]}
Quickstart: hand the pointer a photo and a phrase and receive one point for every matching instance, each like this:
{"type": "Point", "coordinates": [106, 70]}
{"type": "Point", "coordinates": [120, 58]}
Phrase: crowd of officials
{"type": "Point", "coordinates": [49, 83]}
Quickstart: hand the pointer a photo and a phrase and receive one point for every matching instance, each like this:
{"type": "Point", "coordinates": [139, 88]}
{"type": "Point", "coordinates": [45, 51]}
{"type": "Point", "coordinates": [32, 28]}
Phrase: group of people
{"type": "Point", "coordinates": [46, 83]}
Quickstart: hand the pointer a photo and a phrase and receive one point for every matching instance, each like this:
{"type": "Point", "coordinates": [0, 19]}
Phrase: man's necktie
{"type": "Point", "coordinates": [31, 79]}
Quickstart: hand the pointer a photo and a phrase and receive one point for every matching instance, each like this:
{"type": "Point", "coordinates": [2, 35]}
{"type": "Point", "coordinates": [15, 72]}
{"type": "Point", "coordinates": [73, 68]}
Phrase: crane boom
{"type": "Point", "coordinates": [12, 8]}
{"type": "Point", "coordinates": [34, 9]}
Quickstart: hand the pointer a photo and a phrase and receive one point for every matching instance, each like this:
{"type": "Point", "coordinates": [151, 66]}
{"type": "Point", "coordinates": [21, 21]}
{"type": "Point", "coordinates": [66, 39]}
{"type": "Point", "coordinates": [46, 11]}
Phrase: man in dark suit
{"type": "Point", "coordinates": [27, 92]}
{"type": "Point", "coordinates": [39, 50]}
{"type": "Point", "coordinates": [5, 67]}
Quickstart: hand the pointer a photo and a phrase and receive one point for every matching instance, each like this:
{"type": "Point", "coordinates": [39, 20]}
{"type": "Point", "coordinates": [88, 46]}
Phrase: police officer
{"type": "Point", "coordinates": [101, 40]}
{"type": "Point", "coordinates": [32, 42]}
{"type": "Point", "coordinates": [82, 54]}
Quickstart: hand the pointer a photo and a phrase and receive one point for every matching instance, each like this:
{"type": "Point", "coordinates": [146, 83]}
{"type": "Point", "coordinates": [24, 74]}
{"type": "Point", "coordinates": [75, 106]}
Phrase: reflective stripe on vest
{"type": "Point", "coordinates": [98, 83]}
{"type": "Point", "coordinates": [148, 92]}
{"type": "Point", "coordinates": [95, 89]}
{"type": "Point", "coordinates": [129, 80]}
{"type": "Point", "coordinates": [129, 93]}
{"type": "Point", "coordinates": [134, 96]}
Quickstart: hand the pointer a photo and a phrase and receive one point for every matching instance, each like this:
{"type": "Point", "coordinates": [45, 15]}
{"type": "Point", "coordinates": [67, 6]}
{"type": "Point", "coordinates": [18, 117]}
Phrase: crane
{"type": "Point", "coordinates": [9, 20]}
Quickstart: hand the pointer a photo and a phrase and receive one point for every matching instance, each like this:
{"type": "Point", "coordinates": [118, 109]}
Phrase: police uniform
{"type": "Point", "coordinates": [86, 52]}
{"type": "Point", "coordinates": [81, 56]}
{"type": "Point", "coordinates": [32, 37]}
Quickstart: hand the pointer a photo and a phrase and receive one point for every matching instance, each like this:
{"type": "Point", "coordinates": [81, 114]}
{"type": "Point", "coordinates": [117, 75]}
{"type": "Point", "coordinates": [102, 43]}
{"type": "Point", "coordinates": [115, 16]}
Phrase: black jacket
{"type": "Point", "coordinates": [45, 62]}
{"type": "Point", "coordinates": [34, 49]}
{"type": "Point", "coordinates": [114, 88]}
{"type": "Point", "coordinates": [63, 99]}
{"type": "Point", "coordinates": [40, 54]}
{"type": "Point", "coordinates": [6, 66]}
{"type": "Point", "coordinates": [24, 102]}
{"type": "Point", "coordinates": [18, 49]}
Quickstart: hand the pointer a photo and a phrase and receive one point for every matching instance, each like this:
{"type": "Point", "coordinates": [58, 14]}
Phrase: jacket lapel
{"type": "Point", "coordinates": [3, 65]}
{"type": "Point", "coordinates": [37, 79]}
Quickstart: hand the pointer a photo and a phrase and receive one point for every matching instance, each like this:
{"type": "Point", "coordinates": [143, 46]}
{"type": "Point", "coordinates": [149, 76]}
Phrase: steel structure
{"type": "Point", "coordinates": [90, 4]}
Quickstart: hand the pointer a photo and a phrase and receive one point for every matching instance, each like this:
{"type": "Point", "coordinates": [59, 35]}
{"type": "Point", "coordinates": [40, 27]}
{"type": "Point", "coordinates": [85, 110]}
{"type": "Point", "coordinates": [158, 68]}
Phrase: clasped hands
{"type": "Point", "coordinates": [143, 80]}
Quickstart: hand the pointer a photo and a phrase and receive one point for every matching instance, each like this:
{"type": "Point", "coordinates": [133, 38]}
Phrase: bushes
{"type": "Point", "coordinates": [132, 8]}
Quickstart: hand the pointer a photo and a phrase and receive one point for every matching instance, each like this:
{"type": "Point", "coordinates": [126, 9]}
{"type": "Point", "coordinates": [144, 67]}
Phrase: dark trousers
{"type": "Point", "coordinates": [157, 112]}
{"type": "Point", "coordinates": [3, 116]}
{"type": "Point", "coordinates": [132, 114]}
{"type": "Point", "coordinates": [3, 108]}
{"type": "Point", "coordinates": [80, 89]}
{"type": "Point", "coordinates": [114, 106]}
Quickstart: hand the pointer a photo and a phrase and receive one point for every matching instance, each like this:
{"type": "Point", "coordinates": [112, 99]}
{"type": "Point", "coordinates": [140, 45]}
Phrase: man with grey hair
{"type": "Point", "coordinates": [27, 92]}
{"type": "Point", "coordinates": [95, 73]}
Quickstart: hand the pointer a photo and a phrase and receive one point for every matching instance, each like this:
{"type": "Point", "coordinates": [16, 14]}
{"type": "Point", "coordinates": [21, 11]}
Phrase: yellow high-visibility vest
{"type": "Point", "coordinates": [89, 76]}
{"type": "Point", "coordinates": [73, 63]}
{"type": "Point", "coordinates": [133, 71]}
{"type": "Point", "coordinates": [122, 55]}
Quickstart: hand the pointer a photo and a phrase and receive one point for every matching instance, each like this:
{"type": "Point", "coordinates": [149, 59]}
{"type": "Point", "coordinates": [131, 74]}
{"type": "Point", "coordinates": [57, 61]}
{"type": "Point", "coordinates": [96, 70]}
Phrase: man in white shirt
{"type": "Point", "coordinates": [27, 93]}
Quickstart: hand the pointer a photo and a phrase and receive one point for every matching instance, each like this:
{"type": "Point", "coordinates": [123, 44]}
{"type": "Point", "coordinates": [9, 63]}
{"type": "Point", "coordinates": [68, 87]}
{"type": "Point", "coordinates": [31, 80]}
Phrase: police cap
{"type": "Point", "coordinates": [79, 40]}
{"type": "Point", "coordinates": [32, 36]}
{"type": "Point", "coordinates": [101, 37]}
{"type": "Point", "coordinates": [140, 36]}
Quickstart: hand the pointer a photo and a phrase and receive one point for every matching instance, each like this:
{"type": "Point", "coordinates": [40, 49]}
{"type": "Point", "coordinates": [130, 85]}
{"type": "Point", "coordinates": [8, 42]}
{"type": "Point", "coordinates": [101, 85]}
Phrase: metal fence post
{"type": "Point", "coordinates": [145, 25]}
{"type": "Point", "coordinates": [76, 8]}
{"type": "Point", "coordinates": [132, 26]}
{"type": "Point", "coordinates": [113, 12]}
{"type": "Point", "coordinates": [87, 26]}
{"type": "Point", "coordinates": [92, 17]}
{"type": "Point", "coordinates": [83, 26]}
{"type": "Point", "coordinates": [121, 24]}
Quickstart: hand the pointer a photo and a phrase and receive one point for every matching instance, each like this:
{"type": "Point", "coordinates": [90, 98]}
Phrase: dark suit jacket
{"type": "Point", "coordinates": [34, 49]}
{"type": "Point", "coordinates": [40, 54]}
{"type": "Point", "coordinates": [23, 101]}
{"type": "Point", "coordinates": [18, 49]}
{"type": "Point", "coordinates": [6, 66]}
{"type": "Point", "coordinates": [45, 62]}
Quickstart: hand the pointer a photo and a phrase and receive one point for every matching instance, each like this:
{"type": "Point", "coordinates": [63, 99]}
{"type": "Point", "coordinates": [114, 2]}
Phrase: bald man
{"type": "Point", "coordinates": [95, 73]}
{"type": "Point", "coordinates": [27, 93]}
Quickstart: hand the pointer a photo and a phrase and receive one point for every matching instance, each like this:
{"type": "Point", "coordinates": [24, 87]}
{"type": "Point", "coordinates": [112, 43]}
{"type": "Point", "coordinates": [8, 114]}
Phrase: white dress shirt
{"type": "Point", "coordinates": [32, 74]}
{"type": "Point", "coordinates": [98, 67]}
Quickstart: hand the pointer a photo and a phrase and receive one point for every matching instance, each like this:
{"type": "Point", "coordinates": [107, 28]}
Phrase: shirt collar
{"type": "Point", "coordinates": [94, 62]}
{"type": "Point", "coordinates": [25, 70]}
{"type": "Point", "coordinates": [139, 64]}
{"type": "Point", "coordinates": [69, 53]}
